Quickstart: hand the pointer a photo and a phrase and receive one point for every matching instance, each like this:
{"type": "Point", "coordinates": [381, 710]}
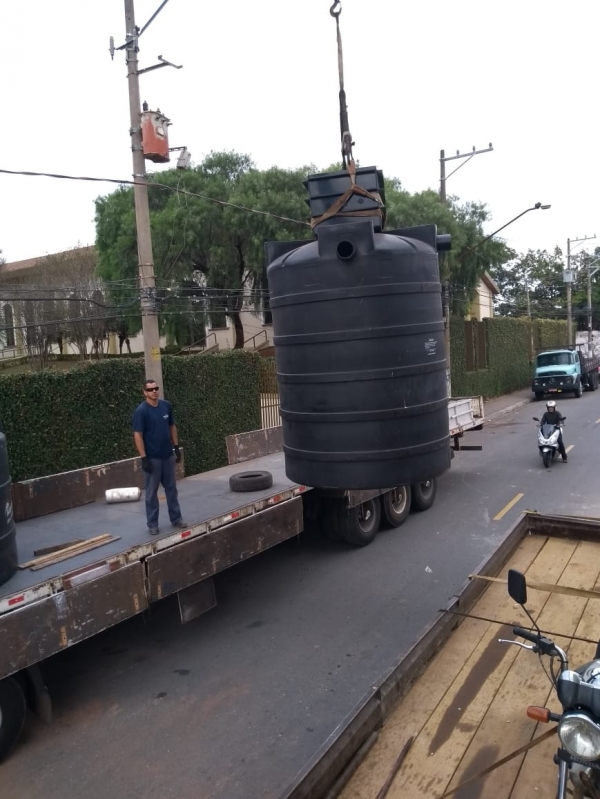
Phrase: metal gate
{"type": "Point", "coordinates": [269, 394]}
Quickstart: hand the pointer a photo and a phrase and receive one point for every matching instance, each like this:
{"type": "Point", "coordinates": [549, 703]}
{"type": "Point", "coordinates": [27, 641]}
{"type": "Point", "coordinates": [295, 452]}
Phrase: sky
{"type": "Point", "coordinates": [261, 78]}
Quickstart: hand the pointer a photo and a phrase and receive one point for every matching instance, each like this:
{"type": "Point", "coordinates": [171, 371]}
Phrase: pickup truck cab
{"type": "Point", "coordinates": [564, 370]}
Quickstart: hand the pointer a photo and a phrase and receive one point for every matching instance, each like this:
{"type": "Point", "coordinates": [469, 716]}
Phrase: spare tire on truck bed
{"type": "Point", "coordinates": [250, 481]}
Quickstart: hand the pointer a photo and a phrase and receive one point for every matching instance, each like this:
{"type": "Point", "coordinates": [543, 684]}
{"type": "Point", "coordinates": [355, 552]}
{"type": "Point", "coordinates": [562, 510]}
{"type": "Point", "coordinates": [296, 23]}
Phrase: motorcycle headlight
{"type": "Point", "coordinates": [580, 736]}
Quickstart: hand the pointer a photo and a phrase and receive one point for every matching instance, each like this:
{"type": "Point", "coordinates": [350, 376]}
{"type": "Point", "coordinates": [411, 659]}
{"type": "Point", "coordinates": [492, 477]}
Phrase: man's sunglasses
{"type": "Point", "coordinates": [152, 388]}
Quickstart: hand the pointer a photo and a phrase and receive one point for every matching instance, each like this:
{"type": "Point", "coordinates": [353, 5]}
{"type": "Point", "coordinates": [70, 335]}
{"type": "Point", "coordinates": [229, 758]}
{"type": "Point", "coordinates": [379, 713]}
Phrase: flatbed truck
{"type": "Point", "coordinates": [45, 611]}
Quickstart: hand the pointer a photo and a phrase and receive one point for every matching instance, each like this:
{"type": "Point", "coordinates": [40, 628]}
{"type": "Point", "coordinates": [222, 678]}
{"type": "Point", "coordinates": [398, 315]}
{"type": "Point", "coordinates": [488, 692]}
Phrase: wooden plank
{"type": "Point", "coordinates": [43, 495]}
{"type": "Point", "coordinates": [179, 567]}
{"type": "Point", "coordinates": [255, 444]}
{"type": "Point", "coordinates": [79, 551]}
{"type": "Point", "coordinates": [39, 630]}
{"type": "Point", "coordinates": [416, 708]}
{"type": "Point", "coordinates": [67, 552]}
{"type": "Point", "coordinates": [56, 547]}
{"type": "Point", "coordinates": [505, 726]}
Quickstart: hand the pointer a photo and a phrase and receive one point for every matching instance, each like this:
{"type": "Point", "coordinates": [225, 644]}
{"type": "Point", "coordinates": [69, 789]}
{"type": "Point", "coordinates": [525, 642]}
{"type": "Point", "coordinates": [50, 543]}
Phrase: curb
{"type": "Point", "coordinates": [509, 409]}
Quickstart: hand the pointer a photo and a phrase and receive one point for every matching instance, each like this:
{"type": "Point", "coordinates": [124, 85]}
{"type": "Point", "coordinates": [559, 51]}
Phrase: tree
{"type": "Point", "coordinates": [531, 284]}
{"type": "Point", "coordinates": [209, 257]}
{"type": "Point", "coordinates": [86, 319]}
{"type": "Point", "coordinates": [468, 259]}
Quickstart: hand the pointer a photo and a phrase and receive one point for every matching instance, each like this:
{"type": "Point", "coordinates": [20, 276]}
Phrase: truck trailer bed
{"type": "Point", "coordinates": [44, 611]}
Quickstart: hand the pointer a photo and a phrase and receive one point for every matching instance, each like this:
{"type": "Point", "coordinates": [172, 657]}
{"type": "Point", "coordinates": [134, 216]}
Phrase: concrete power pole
{"type": "Point", "coordinates": [446, 287]}
{"type": "Point", "coordinates": [569, 297]}
{"type": "Point", "coordinates": [569, 282]}
{"type": "Point", "coordinates": [152, 361]}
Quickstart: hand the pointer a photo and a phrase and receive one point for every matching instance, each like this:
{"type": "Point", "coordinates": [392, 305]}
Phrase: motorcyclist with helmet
{"type": "Point", "coordinates": [552, 416]}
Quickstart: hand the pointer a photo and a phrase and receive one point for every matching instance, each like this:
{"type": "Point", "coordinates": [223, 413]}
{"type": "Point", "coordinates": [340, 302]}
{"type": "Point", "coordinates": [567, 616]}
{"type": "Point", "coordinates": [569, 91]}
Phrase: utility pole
{"type": "Point", "coordinates": [568, 279]}
{"type": "Point", "coordinates": [446, 288]}
{"type": "Point", "coordinates": [152, 361]}
{"type": "Point", "coordinates": [590, 273]}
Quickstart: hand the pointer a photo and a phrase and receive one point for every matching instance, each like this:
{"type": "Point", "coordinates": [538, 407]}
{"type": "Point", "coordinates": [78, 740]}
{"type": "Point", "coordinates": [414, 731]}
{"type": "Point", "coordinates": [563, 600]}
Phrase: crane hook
{"type": "Point", "coordinates": [332, 10]}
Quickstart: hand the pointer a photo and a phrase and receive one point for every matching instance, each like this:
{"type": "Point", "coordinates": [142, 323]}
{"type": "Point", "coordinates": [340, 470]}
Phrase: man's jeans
{"type": "Point", "coordinates": [163, 471]}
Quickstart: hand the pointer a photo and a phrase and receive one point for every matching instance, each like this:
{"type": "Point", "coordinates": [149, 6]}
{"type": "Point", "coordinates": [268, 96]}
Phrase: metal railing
{"type": "Point", "coordinates": [253, 338]}
{"type": "Point", "coordinates": [201, 344]}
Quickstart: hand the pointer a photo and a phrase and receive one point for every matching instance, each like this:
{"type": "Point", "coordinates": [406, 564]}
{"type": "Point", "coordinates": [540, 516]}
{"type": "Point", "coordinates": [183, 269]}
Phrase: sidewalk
{"type": "Point", "coordinates": [499, 406]}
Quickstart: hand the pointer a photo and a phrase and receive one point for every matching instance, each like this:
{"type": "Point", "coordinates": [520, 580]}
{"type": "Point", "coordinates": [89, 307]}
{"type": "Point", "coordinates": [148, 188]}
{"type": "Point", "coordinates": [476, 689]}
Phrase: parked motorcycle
{"type": "Point", "coordinates": [578, 756]}
{"type": "Point", "coordinates": [548, 435]}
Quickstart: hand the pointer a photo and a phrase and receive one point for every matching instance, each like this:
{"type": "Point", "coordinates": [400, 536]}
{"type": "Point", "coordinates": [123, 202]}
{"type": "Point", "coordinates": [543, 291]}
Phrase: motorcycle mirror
{"type": "Point", "coordinates": [517, 586]}
{"type": "Point", "coordinates": [535, 419]}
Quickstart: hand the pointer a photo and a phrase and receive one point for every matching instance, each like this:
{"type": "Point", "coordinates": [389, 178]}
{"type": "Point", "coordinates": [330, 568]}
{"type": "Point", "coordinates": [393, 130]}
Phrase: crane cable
{"type": "Point", "coordinates": [337, 208]}
{"type": "Point", "coordinates": [347, 142]}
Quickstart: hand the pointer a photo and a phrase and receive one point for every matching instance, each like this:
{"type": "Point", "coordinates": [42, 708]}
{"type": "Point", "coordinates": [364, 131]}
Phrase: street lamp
{"type": "Point", "coordinates": [536, 207]}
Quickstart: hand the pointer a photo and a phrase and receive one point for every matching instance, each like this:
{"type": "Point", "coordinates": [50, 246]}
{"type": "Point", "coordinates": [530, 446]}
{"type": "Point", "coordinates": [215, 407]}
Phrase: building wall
{"type": "Point", "coordinates": [482, 306]}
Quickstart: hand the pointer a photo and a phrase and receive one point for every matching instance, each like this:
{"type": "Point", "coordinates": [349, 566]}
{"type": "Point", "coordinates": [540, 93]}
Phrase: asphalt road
{"type": "Point", "coordinates": [233, 704]}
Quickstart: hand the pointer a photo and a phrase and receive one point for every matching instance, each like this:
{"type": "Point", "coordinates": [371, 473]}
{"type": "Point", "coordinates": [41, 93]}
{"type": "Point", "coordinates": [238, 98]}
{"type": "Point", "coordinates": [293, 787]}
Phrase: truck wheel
{"type": "Point", "coordinates": [539, 395]}
{"type": "Point", "coordinates": [358, 526]}
{"type": "Point", "coordinates": [579, 391]}
{"type": "Point", "coordinates": [250, 481]}
{"type": "Point", "coordinates": [396, 505]}
{"type": "Point", "coordinates": [12, 714]}
{"type": "Point", "coordinates": [423, 494]}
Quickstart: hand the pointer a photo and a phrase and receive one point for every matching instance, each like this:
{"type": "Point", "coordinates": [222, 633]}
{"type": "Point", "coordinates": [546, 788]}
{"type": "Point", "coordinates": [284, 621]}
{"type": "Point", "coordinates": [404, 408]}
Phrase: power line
{"type": "Point", "coordinates": [152, 184]}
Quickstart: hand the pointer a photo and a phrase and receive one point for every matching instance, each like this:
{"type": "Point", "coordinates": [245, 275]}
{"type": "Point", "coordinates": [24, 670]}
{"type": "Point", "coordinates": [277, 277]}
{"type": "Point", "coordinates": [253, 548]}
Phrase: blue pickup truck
{"type": "Point", "coordinates": [564, 371]}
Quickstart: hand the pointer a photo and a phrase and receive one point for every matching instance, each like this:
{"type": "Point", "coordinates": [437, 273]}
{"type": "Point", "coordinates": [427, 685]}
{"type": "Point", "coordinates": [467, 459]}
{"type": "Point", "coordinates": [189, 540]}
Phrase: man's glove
{"type": "Point", "coordinates": [147, 464]}
{"type": "Point", "coordinates": [177, 453]}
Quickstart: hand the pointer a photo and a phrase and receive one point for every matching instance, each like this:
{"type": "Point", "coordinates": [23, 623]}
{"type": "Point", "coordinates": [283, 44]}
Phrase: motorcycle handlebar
{"type": "Point", "coordinates": [527, 634]}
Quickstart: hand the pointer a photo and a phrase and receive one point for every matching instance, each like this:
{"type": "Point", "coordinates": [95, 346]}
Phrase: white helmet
{"type": "Point", "coordinates": [551, 405]}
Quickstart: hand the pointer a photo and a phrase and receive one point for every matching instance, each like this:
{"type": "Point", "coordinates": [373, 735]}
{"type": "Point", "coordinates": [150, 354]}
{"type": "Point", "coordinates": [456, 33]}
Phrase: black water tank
{"type": "Point", "coordinates": [359, 345]}
{"type": "Point", "coordinates": [8, 536]}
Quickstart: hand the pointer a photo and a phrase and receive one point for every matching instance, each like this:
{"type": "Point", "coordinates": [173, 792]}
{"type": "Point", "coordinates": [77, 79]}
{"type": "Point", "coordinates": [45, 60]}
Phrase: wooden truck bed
{"type": "Point", "coordinates": [465, 707]}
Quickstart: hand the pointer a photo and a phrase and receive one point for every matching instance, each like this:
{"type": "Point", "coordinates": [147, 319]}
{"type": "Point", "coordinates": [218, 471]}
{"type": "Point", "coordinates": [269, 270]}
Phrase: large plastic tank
{"type": "Point", "coordinates": [8, 537]}
{"type": "Point", "coordinates": [359, 345]}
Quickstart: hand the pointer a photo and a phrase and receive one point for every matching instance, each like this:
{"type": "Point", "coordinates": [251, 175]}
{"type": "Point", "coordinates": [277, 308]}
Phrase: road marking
{"type": "Point", "coordinates": [597, 421]}
{"type": "Point", "coordinates": [569, 448]}
{"type": "Point", "coordinates": [508, 506]}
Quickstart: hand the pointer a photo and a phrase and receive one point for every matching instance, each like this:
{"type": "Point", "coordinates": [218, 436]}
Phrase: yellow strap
{"type": "Point", "coordinates": [549, 587]}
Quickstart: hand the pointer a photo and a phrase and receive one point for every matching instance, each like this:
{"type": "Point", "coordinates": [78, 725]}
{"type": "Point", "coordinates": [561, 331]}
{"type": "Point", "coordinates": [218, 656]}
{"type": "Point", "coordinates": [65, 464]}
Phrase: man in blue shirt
{"type": "Point", "coordinates": [155, 438]}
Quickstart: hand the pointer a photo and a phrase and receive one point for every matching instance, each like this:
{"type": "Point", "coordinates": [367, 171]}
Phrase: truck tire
{"type": "Point", "coordinates": [250, 481]}
{"type": "Point", "coordinates": [12, 714]}
{"type": "Point", "coordinates": [539, 395]}
{"type": "Point", "coordinates": [578, 393]}
{"type": "Point", "coordinates": [358, 526]}
{"type": "Point", "coordinates": [423, 494]}
{"type": "Point", "coordinates": [395, 505]}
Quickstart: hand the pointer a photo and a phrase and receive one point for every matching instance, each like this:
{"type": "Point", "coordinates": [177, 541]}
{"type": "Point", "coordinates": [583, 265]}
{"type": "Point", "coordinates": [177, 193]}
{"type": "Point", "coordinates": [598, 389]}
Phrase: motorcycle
{"type": "Point", "coordinates": [578, 756]}
{"type": "Point", "coordinates": [548, 435]}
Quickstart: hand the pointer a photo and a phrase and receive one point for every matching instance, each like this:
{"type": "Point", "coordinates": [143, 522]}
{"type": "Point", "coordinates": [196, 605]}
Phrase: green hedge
{"type": "Point", "coordinates": [508, 349]}
{"type": "Point", "coordinates": [58, 421]}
